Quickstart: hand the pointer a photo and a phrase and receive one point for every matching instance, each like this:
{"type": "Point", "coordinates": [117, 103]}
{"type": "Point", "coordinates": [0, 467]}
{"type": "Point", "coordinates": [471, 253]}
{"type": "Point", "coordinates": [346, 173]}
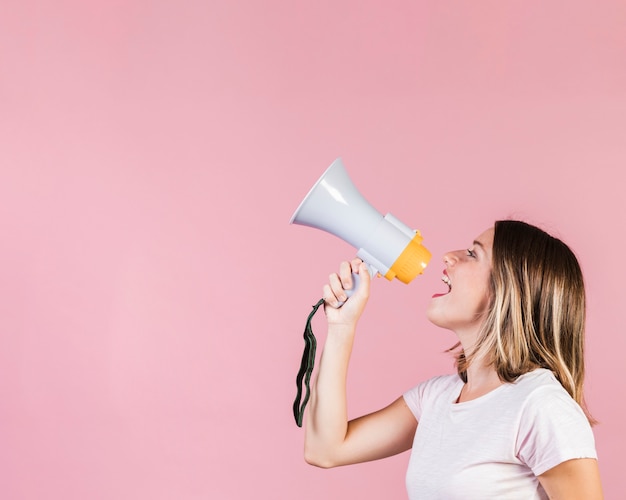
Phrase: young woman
{"type": "Point", "coordinates": [511, 424]}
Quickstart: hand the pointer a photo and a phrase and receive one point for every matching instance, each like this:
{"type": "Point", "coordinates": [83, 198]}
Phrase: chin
{"type": "Point", "coordinates": [436, 316]}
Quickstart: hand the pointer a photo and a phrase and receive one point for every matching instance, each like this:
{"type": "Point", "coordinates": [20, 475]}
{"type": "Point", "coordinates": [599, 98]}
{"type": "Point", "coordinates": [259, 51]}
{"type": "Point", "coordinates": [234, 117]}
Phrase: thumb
{"type": "Point", "coordinates": [364, 280]}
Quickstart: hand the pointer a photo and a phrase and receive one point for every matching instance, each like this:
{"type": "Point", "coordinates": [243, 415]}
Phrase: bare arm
{"type": "Point", "coordinates": [330, 440]}
{"type": "Point", "coordinates": [577, 479]}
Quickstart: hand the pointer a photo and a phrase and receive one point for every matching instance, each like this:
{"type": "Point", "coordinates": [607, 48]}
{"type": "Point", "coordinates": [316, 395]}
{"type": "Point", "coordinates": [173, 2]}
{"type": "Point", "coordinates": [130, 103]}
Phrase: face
{"type": "Point", "coordinates": [466, 275]}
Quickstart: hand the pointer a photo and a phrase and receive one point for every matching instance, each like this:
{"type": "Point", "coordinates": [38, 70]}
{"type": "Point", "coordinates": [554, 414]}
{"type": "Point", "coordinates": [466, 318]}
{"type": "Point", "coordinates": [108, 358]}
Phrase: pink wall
{"type": "Point", "coordinates": [152, 292]}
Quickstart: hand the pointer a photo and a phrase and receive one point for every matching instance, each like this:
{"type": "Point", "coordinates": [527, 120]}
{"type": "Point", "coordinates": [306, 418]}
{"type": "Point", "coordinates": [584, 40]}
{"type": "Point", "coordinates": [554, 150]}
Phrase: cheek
{"type": "Point", "coordinates": [474, 302]}
{"type": "Point", "coordinates": [480, 294]}
{"type": "Point", "coordinates": [482, 289]}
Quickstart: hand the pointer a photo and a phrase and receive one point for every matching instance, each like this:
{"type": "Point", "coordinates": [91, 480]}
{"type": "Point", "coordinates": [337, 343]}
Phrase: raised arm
{"type": "Point", "coordinates": [330, 440]}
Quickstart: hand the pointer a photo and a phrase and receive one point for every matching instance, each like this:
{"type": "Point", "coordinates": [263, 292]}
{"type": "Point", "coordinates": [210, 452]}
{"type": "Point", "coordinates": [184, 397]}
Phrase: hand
{"type": "Point", "coordinates": [334, 294]}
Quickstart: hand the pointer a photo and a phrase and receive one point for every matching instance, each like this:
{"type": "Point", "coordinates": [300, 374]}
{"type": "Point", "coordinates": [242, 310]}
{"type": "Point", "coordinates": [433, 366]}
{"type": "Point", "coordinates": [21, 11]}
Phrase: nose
{"type": "Point", "coordinates": [449, 259]}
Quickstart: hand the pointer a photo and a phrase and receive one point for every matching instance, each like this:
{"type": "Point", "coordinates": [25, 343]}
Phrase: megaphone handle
{"type": "Point", "coordinates": [356, 281]}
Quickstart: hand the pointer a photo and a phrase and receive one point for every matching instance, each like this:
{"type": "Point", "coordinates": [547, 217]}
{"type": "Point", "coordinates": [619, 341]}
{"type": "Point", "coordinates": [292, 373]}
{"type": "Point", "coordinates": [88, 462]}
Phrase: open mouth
{"type": "Point", "coordinates": [446, 279]}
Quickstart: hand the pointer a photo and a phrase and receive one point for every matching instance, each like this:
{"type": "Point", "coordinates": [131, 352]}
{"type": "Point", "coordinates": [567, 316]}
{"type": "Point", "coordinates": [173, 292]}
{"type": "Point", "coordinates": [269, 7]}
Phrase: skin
{"type": "Point", "coordinates": [331, 440]}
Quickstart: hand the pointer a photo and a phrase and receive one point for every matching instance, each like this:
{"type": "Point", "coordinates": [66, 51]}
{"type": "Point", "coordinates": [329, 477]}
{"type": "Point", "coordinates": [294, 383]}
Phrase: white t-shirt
{"type": "Point", "coordinates": [495, 446]}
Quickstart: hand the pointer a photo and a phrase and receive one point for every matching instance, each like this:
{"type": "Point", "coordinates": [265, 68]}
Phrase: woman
{"type": "Point", "coordinates": [511, 423]}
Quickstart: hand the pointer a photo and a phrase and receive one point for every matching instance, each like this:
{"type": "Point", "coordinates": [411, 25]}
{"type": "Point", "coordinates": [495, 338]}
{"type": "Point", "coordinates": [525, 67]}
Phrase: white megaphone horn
{"type": "Point", "coordinates": [385, 244]}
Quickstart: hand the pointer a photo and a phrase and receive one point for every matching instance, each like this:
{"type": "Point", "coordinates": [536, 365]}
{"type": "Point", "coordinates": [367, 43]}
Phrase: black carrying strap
{"type": "Point", "coordinates": [306, 367]}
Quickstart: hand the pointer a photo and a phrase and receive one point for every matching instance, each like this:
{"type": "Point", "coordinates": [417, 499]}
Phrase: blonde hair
{"type": "Point", "coordinates": [536, 316]}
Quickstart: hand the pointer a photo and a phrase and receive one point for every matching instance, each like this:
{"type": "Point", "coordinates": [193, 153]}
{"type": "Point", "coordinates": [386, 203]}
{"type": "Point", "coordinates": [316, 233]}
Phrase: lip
{"type": "Point", "coordinates": [436, 295]}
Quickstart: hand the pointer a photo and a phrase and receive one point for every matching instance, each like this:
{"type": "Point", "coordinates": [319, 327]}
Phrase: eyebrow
{"type": "Point", "coordinates": [478, 243]}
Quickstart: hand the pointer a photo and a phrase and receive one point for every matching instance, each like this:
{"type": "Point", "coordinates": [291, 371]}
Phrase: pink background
{"type": "Point", "coordinates": [152, 292]}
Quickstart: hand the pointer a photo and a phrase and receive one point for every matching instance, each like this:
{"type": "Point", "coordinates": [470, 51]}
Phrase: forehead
{"type": "Point", "coordinates": [485, 239]}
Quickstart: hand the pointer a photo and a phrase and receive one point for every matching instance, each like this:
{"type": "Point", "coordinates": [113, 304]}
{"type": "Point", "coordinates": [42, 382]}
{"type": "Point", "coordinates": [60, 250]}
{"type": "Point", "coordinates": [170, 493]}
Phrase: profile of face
{"type": "Point", "coordinates": [463, 307]}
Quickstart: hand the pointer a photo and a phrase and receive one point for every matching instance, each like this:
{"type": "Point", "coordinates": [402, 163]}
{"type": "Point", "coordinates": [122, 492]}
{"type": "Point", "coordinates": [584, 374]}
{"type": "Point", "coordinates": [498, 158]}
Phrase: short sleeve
{"type": "Point", "coordinates": [413, 399]}
{"type": "Point", "coordinates": [553, 429]}
{"type": "Point", "coordinates": [425, 393]}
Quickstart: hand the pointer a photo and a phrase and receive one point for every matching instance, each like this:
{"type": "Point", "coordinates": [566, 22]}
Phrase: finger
{"type": "Point", "coordinates": [355, 263]}
{"type": "Point", "coordinates": [337, 287]}
{"type": "Point", "coordinates": [329, 297]}
{"type": "Point", "coordinates": [364, 274]}
{"type": "Point", "coordinates": [345, 275]}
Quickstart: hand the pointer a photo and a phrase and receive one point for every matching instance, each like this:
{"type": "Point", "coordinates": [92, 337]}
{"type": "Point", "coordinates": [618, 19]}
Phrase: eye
{"type": "Point", "coordinates": [471, 253]}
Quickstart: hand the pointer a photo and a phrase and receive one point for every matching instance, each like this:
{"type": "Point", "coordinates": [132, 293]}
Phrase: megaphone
{"type": "Point", "coordinates": [384, 243]}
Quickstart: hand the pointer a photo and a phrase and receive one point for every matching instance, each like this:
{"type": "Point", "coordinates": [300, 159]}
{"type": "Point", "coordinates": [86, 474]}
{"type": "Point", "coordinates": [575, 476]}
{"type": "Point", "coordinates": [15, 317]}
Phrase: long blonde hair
{"type": "Point", "coordinates": [536, 317]}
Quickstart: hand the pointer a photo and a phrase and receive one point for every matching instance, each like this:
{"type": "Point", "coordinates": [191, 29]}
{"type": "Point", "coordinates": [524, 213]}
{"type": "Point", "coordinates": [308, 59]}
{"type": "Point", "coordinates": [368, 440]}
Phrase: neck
{"type": "Point", "coordinates": [481, 379]}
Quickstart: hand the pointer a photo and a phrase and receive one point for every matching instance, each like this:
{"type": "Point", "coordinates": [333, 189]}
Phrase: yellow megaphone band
{"type": "Point", "coordinates": [411, 262]}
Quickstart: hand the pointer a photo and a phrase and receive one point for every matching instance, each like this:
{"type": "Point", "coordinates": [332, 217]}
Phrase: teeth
{"type": "Point", "coordinates": [447, 281]}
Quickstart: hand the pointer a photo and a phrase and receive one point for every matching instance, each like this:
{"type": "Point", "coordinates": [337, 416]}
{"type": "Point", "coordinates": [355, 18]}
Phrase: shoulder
{"type": "Point", "coordinates": [541, 392]}
{"type": "Point", "coordinates": [438, 384]}
{"type": "Point", "coordinates": [542, 399]}
{"type": "Point", "coordinates": [552, 426]}
{"type": "Point", "coordinates": [443, 388]}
